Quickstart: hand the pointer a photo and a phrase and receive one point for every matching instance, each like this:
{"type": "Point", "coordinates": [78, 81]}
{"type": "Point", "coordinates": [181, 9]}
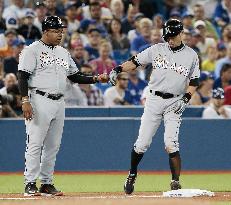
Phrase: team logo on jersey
{"type": "Point", "coordinates": [47, 60]}
{"type": "Point", "coordinates": [160, 62]}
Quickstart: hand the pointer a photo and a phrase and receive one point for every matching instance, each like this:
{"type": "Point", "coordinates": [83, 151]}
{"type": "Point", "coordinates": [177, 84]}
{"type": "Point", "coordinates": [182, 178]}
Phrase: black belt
{"type": "Point", "coordinates": [48, 95]}
{"type": "Point", "coordinates": [163, 95]}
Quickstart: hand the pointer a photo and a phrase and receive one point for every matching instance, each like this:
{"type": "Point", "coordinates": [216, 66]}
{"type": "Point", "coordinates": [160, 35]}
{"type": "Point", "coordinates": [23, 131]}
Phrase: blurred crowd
{"type": "Point", "coordinates": [101, 34]}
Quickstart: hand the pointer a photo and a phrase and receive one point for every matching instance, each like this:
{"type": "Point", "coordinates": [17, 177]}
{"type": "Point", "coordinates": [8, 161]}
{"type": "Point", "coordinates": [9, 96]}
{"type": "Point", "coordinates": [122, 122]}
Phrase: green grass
{"type": "Point", "coordinates": [114, 183]}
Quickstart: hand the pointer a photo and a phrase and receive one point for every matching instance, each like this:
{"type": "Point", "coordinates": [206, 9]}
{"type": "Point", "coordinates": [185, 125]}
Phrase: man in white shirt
{"type": "Point", "coordinates": [16, 9]}
{"type": "Point", "coordinates": [217, 110]}
{"type": "Point", "coordinates": [114, 96]}
{"type": "Point", "coordinates": [41, 11]}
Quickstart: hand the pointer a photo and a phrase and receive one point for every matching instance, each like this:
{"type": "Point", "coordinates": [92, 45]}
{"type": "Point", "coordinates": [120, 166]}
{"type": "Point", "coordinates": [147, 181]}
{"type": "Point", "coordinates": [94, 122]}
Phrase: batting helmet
{"type": "Point", "coordinates": [52, 22]}
{"type": "Point", "coordinates": [172, 28]}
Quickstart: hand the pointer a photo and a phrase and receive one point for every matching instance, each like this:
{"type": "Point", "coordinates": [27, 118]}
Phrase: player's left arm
{"type": "Point", "coordinates": [140, 59]}
{"type": "Point", "coordinates": [193, 84]}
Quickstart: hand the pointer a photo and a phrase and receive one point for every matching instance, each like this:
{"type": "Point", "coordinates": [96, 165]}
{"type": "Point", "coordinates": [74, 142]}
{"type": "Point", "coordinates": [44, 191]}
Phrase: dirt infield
{"type": "Point", "coordinates": [146, 198]}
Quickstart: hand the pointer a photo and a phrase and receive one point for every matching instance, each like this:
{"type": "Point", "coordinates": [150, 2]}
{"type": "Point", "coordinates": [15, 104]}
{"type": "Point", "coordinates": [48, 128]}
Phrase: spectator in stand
{"type": "Point", "coordinates": [222, 61]}
{"type": "Point", "coordinates": [221, 51]}
{"type": "Point", "coordinates": [203, 94]}
{"type": "Point", "coordinates": [209, 63]}
{"type": "Point", "coordinates": [10, 79]}
{"type": "Point", "coordinates": [135, 88]}
{"type": "Point", "coordinates": [187, 20]}
{"type": "Point", "coordinates": [225, 77]}
{"type": "Point", "coordinates": [199, 14]}
{"type": "Point", "coordinates": [222, 13]}
{"type": "Point", "coordinates": [7, 50]}
{"type": "Point", "coordinates": [204, 42]}
{"type": "Point", "coordinates": [10, 64]}
{"type": "Point", "coordinates": [5, 109]}
{"type": "Point", "coordinates": [118, 40]}
{"type": "Point", "coordinates": [104, 63]}
{"type": "Point", "coordinates": [52, 8]}
{"type": "Point", "coordinates": [74, 96]}
{"type": "Point", "coordinates": [114, 95]}
{"type": "Point", "coordinates": [41, 11]}
{"type": "Point", "coordinates": [96, 15]}
{"type": "Point", "coordinates": [227, 95]}
{"type": "Point", "coordinates": [117, 8]}
{"type": "Point", "coordinates": [156, 37]}
{"type": "Point", "coordinates": [132, 34]}
{"type": "Point", "coordinates": [194, 41]}
{"type": "Point", "coordinates": [144, 38]}
{"type": "Point", "coordinates": [79, 55]}
{"type": "Point", "coordinates": [158, 22]}
{"type": "Point", "coordinates": [93, 94]}
{"type": "Point", "coordinates": [28, 30]}
{"type": "Point", "coordinates": [128, 21]}
{"type": "Point", "coordinates": [87, 14]}
{"type": "Point", "coordinates": [217, 110]}
{"type": "Point", "coordinates": [76, 37]}
{"type": "Point", "coordinates": [94, 38]}
{"type": "Point", "coordinates": [187, 37]}
{"type": "Point", "coordinates": [15, 9]}
{"type": "Point", "coordinates": [16, 103]}
{"type": "Point", "coordinates": [71, 15]}
{"type": "Point", "coordinates": [226, 35]}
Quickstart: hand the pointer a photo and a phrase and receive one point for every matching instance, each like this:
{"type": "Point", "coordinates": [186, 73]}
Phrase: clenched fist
{"type": "Point", "coordinates": [103, 78]}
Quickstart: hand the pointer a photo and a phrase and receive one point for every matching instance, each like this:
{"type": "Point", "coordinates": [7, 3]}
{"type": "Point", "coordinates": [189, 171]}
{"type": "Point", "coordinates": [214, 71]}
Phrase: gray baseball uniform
{"type": "Point", "coordinates": [49, 68]}
{"type": "Point", "coordinates": [171, 74]}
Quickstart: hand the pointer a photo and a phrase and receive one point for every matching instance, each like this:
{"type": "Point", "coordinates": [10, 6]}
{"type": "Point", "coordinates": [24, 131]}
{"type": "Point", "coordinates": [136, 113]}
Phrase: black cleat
{"type": "Point", "coordinates": [175, 185]}
{"type": "Point", "coordinates": [129, 184]}
{"type": "Point", "coordinates": [31, 189]}
{"type": "Point", "coordinates": [49, 190]}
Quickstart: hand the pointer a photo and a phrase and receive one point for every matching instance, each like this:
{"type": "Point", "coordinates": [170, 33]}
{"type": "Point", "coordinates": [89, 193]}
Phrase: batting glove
{"type": "Point", "coordinates": [182, 103]}
{"type": "Point", "coordinates": [113, 74]}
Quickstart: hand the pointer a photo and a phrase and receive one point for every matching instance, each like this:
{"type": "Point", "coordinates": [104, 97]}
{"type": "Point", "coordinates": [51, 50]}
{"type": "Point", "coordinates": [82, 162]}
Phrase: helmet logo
{"type": "Point", "coordinates": [167, 30]}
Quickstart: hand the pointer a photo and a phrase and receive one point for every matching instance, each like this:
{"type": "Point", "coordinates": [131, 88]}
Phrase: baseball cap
{"type": "Point", "coordinates": [205, 75]}
{"type": "Point", "coordinates": [138, 16]}
{"type": "Point", "coordinates": [218, 93]}
{"type": "Point", "coordinates": [11, 23]}
{"type": "Point", "coordinates": [10, 31]}
{"type": "Point", "coordinates": [30, 13]}
{"type": "Point", "coordinates": [18, 42]}
{"type": "Point", "coordinates": [84, 25]}
{"type": "Point", "coordinates": [69, 5]}
{"type": "Point", "coordinates": [187, 14]}
{"type": "Point", "coordinates": [221, 46]}
{"type": "Point", "coordinates": [199, 23]}
{"type": "Point", "coordinates": [39, 4]}
{"type": "Point", "coordinates": [94, 30]}
{"type": "Point", "coordinates": [175, 13]}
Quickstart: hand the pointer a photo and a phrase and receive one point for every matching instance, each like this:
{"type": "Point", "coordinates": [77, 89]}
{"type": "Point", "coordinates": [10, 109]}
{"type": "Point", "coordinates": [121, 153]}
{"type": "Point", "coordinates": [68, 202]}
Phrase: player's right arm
{"type": "Point", "coordinates": [26, 66]}
{"type": "Point", "coordinates": [141, 59]}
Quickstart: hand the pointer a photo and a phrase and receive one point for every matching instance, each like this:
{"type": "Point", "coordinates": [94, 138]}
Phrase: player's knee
{"type": "Point", "coordinates": [140, 149]}
{"type": "Point", "coordinates": [174, 154]}
{"type": "Point", "coordinates": [171, 147]}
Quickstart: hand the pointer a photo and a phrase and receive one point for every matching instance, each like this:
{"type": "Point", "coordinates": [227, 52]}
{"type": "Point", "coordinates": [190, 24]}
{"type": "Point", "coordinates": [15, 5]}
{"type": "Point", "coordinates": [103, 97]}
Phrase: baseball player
{"type": "Point", "coordinates": [43, 69]}
{"type": "Point", "coordinates": [173, 81]}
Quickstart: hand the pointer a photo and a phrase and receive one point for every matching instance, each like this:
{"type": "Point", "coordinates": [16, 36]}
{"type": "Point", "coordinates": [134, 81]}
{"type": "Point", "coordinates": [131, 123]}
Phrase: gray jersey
{"type": "Point", "coordinates": [172, 71]}
{"type": "Point", "coordinates": [48, 67]}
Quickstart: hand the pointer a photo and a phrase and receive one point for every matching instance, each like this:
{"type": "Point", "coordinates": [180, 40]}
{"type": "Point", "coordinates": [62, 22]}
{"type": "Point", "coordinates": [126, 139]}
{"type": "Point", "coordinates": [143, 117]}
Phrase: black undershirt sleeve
{"type": "Point", "coordinates": [81, 78]}
{"type": "Point", "coordinates": [194, 82]}
{"type": "Point", "coordinates": [23, 82]}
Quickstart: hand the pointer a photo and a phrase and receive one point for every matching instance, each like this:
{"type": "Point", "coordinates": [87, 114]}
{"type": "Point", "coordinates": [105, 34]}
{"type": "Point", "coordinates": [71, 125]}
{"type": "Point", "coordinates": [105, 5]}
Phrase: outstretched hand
{"type": "Point", "coordinates": [103, 78]}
